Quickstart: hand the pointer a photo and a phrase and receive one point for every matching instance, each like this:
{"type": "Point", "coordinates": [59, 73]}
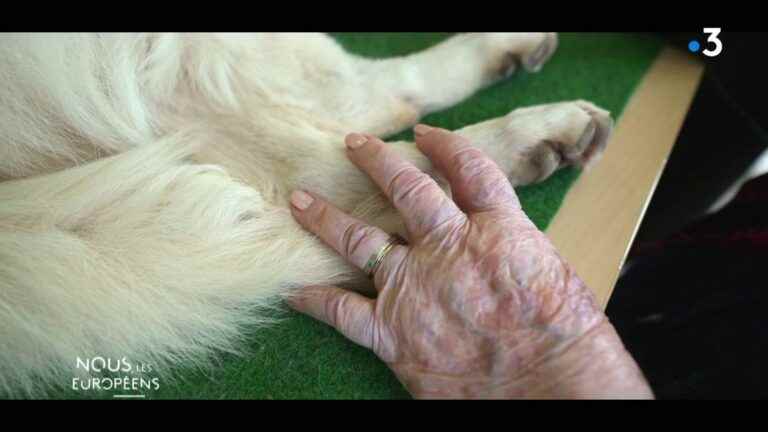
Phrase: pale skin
{"type": "Point", "coordinates": [478, 304]}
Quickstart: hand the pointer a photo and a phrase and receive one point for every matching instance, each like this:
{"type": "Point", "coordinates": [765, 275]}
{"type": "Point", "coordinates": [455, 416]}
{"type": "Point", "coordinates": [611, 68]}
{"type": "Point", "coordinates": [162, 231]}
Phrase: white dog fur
{"type": "Point", "coordinates": [144, 178]}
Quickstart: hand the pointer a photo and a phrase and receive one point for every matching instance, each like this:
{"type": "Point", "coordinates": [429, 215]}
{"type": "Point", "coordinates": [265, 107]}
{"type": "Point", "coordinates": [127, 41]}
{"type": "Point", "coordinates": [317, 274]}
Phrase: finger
{"type": "Point", "coordinates": [348, 312]}
{"type": "Point", "coordinates": [477, 183]}
{"type": "Point", "coordinates": [352, 238]}
{"type": "Point", "coordinates": [418, 198]}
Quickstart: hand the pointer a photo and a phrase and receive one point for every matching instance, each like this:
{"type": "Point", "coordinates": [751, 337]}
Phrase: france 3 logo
{"type": "Point", "coordinates": [714, 44]}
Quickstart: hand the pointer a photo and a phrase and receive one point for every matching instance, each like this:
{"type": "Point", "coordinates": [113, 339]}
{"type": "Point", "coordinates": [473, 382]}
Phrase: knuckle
{"type": "Point", "coordinates": [471, 162]}
{"type": "Point", "coordinates": [354, 236]}
{"type": "Point", "coordinates": [496, 190]}
{"type": "Point", "coordinates": [408, 183]}
{"type": "Point", "coordinates": [335, 308]}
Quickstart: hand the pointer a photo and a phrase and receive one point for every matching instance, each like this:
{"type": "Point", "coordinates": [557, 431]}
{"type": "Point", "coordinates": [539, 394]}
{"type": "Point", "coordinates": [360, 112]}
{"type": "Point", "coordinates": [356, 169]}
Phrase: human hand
{"type": "Point", "coordinates": [479, 303]}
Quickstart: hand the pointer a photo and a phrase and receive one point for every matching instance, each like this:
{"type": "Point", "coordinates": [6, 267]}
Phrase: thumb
{"type": "Point", "coordinates": [348, 312]}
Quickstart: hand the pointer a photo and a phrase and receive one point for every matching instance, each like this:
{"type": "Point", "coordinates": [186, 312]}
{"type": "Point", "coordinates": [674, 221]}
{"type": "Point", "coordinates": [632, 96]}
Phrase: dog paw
{"type": "Point", "coordinates": [588, 148]}
{"type": "Point", "coordinates": [552, 136]}
{"type": "Point", "coordinates": [512, 50]}
{"type": "Point", "coordinates": [533, 62]}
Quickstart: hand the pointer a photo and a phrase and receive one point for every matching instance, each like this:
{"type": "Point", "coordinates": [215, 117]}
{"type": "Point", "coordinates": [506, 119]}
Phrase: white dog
{"type": "Point", "coordinates": [144, 178]}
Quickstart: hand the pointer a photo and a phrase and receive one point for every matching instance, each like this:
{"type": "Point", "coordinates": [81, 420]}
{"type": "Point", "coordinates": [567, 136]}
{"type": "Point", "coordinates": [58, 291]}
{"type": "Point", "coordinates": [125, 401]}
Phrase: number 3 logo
{"type": "Point", "coordinates": [713, 32]}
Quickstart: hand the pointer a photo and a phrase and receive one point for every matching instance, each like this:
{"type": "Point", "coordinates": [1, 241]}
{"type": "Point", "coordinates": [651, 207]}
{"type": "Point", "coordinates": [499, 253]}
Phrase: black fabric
{"type": "Point", "coordinates": [692, 308]}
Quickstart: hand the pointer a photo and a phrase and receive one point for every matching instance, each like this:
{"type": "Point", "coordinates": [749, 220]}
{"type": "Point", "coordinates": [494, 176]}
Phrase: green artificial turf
{"type": "Point", "coordinates": [300, 358]}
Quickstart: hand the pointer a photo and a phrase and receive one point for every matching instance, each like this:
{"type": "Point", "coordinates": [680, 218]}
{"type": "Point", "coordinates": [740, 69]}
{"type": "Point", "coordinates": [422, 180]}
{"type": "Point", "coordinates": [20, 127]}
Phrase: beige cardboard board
{"type": "Point", "coordinates": [601, 213]}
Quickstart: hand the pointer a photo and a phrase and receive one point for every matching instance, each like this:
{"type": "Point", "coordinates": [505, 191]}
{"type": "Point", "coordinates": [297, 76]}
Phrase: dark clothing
{"type": "Point", "coordinates": [692, 308]}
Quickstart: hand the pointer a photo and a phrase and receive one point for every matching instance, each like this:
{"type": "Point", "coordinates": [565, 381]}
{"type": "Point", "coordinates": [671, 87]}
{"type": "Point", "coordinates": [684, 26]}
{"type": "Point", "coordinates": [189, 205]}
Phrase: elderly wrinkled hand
{"type": "Point", "coordinates": [478, 303]}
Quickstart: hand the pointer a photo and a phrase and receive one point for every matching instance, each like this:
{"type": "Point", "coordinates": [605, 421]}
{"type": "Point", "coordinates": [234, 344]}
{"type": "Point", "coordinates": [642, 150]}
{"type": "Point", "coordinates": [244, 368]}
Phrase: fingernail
{"type": "Point", "coordinates": [422, 129]}
{"type": "Point", "coordinates": [301, 200]}
{"type": "Point", "coordinates": [355, 140]}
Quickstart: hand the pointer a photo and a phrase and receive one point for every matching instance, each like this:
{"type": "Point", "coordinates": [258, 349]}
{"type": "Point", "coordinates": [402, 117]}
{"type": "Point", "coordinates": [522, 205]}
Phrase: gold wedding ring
{"type": "Point", "coordinates": [375, 260]}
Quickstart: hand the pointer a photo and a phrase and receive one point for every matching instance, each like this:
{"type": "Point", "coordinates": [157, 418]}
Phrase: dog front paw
{"type": "Point", "coordinates": [509, 51]}
{"type": "Point", "coordinates": [552, 136]}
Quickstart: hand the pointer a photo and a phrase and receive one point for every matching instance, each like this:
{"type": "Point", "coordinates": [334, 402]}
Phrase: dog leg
{"type": "Point", "coordinates": [399, 91]}
{"type": "Point", "coordinates": [531, 143]}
